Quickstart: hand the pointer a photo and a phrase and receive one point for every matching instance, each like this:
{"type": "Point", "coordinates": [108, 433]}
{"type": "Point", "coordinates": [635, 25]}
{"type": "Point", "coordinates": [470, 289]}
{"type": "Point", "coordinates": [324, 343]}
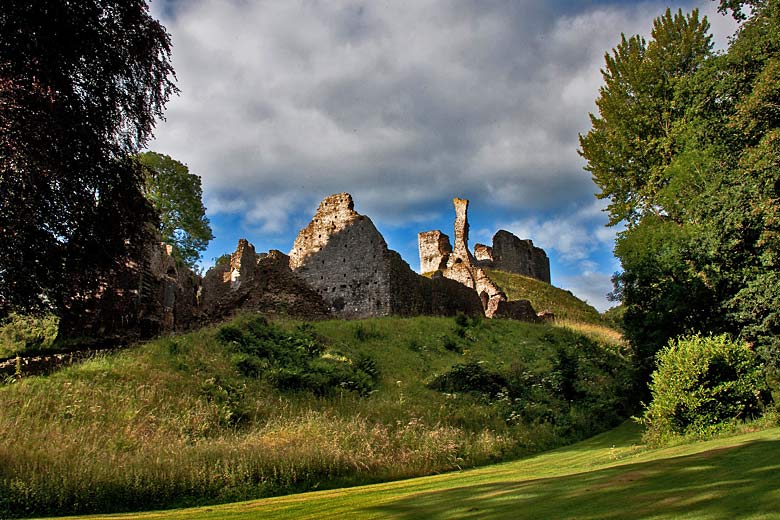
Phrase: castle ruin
{"type": "Point", "coordinates": [343, 257]}
{"type": "Point", "coordinates": [339, 266]}
{"type": "Point", "coordinates": [508, 253]}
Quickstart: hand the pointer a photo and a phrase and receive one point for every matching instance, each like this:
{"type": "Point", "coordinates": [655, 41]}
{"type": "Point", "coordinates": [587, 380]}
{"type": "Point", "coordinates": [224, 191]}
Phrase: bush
{"type": "Point", "coordinates": [292, 360]}
{"type": "Point", "coordinates": [702, 382]}
{"type": "Point", "coordinates": [471, 377]}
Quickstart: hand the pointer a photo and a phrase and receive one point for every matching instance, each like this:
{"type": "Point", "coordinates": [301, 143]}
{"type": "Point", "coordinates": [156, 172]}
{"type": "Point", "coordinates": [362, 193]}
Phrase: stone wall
{"type": "Point", "coordinates": [339, 266]}
{"type": "Point", "coordinates": [514, 255]}
{"type": "Point", "coordinates": [149, 295]}
{"type": "Point", "coordinates": [258, 282]}
{"type": "Point", "coordinates": [459, 265]}
{"type": "Point", "coordinates": [435, 250]}
{"type": "Point", "coordinates": [343, 257]}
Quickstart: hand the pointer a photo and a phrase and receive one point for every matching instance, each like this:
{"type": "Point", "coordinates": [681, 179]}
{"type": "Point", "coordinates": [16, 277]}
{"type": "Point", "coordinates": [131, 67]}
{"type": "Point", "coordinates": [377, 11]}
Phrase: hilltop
{"type": "Point", "coordinates": [252, 408]}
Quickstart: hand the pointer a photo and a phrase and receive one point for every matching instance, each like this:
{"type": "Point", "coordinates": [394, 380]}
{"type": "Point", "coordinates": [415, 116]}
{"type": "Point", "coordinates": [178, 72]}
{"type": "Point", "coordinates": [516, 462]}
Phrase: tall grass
{"type": "Point", "coordinates": [174, 422]}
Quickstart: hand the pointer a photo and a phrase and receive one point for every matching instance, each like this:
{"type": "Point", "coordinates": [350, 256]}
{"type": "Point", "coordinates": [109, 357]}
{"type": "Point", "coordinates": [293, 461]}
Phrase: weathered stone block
{"type": "Point", "coordinates": [435, 250]}
{"type": "Point", "coordinates": [514, 255]}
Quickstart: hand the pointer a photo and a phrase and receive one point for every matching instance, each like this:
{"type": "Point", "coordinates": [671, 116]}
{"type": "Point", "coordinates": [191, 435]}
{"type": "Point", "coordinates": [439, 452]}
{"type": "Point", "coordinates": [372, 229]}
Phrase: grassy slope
{"type": "Point", "coordinates": [545, 297]}
{"type": "Point", "coordinates": [607, 477]}
{"type": "Point", "coordinates": [172, 422]}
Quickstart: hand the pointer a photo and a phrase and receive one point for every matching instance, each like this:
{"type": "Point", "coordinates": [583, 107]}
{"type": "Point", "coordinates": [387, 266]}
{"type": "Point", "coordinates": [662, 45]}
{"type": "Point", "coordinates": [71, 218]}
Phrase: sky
{"type": "Point", "coordinates": [405, 104]}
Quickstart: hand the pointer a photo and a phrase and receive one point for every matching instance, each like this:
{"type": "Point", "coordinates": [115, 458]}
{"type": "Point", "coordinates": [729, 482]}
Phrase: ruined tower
{"type": "Point", "coordinates": [457, 263]}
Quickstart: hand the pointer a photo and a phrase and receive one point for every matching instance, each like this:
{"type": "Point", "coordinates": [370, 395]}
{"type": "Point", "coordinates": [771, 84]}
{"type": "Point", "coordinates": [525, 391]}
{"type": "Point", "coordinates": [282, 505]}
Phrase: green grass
{"type": "Point", "coordinates": [610, 476]}
{"type": "Point", "coordinates": [545, 297]}
{"type": "Point", "coordinates": [173, 422]}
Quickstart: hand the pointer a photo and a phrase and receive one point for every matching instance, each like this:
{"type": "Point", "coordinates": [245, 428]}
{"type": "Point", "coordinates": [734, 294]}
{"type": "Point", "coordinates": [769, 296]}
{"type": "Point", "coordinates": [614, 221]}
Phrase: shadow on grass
{"type": "Point", "coordinates": [727, 483]}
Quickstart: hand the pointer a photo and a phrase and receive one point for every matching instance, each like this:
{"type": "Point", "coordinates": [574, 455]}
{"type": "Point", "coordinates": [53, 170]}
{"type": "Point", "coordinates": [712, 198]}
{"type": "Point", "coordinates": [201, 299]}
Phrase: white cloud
{"type": "Point", "coordinates": [574, 235]}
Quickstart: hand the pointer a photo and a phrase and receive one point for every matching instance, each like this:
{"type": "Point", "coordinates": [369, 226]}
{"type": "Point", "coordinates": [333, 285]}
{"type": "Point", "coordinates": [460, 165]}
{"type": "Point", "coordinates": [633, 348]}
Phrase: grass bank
{"type": "Point", "coordinates": [196, 419]}
{"type": "Point", "coordinates": [611, 476]}
{"type": "Point", "coordinates": [545, 297]}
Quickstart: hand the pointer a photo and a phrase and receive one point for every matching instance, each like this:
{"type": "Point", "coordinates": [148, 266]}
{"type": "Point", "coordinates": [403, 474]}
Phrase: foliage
{"type": "Point", "coordinates": [614, 317]}
{"type": "Point", "coordinates": [294, 360]}
{"type": "Point", "coordinates": [633, 138]}
{"type": "Point", "coordinates": [580, 386]}
{"type": "Point", "coordinates": [686, 147]}
{"type": "Point", "coordinates": [177, 196]}
{"type": "Point", "coordinates": [702, 382]}
{"type": "Point", "coordinates": [81, 85]}
{"type": "Point", "coordinates": [24, 333]}
{"type": "Point", "coordinates": [471, 377]}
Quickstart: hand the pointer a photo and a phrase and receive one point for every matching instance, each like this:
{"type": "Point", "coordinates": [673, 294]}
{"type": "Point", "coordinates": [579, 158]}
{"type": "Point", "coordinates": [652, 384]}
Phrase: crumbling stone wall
{"type": "Point", "coordinates": [483, 253]}
{"type": "Point", "coordinates": [458, 264]}
{"type": "Point", "coordinates": [342, 256]}
{"type": "Point", "coordinates": [435, 250]}
{"type": "Point", "coordinates": [148, 295]}
{"type": "Point", "coordinates": [258, 282]}
{"type": "Point", "coordinates": [514, 255]}
{"type": "Point", "coordinates": [460, 248]}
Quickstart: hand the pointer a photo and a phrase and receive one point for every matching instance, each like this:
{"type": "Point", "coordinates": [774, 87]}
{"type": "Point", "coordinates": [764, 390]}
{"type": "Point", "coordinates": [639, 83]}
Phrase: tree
{"type": "Point", "coordinates": [698, 189]}
{"type": "Point", "coordinates": [176, 195]}
{"type": "Point", "coordinates": [633, 138]}
{"type": "Point", "coordinates": [81, 86]}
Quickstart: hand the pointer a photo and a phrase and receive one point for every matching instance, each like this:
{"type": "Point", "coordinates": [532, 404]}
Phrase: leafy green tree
{"type": "Point", "coordinates": [81, 86]}
{"type": "Point", "coordinates": [698, 190]}
{"type": "Point", "coordinates": [177, 197]}
{"type": "Point", "coordinates": [633, 138]}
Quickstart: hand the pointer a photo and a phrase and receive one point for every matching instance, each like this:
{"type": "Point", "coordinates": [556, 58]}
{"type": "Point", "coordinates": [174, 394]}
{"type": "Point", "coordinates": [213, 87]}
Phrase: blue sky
{"type": "Point", "coordinates": [405, 105]}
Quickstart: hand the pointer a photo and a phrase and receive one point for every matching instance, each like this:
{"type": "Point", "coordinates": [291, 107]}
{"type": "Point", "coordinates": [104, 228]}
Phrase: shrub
{"type": "Point", "coordinates": [471, 377]}
{"type": "Point", "coordinates": [292, 360]}
{"type": "Point", "coordinates": [27, 334]}
{"type": "Point", "coordinates": [702, 382]}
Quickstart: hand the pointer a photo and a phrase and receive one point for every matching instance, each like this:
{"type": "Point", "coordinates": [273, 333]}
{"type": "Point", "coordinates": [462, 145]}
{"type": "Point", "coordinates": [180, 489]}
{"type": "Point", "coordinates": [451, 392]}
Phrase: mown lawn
{"type": "Point", "coordinates": [610, 476]}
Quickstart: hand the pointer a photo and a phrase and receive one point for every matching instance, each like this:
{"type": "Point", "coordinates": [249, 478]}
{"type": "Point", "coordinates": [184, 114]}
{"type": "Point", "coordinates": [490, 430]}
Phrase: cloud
{"type": "Point", "coordinates": [415, 100]}
{"type": "Point", "coordinates": [574, 235]}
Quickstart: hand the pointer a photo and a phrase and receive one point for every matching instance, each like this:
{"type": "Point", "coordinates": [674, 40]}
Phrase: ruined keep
{"type": "Point", "coordinates": [508, 253]}
{"type": "Point", "coordinates": [343, 257]}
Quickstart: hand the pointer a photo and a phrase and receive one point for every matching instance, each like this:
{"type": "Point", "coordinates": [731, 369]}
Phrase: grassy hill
{"type": "Point", "coordinates": [610, 476]}
{"type": "Point", "coordinates": [545, 297]}
{"type": "Point", "coordinates": [253, 409]}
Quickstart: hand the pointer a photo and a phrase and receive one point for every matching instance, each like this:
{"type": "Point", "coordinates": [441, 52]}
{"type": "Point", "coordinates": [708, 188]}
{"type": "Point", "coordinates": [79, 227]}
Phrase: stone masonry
{"type": "Point", "coordinates": [339, 266]}
{"type": "Point", "coordinates": [457, 263]}
{"type": "Point", "coordinates": [435, 250]}
{"type": "Point", "coordinates": [343, 257]}
{"type": "Point", "coordinates": [260, 282]}
{"type": "Point", "coordinates": [514, 255]}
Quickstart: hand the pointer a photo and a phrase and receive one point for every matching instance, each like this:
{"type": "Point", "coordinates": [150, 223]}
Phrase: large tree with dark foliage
{"type": "Point", "coordinates": [686, 147]}
{"type": "Point", "coordinates": [82, 83]}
